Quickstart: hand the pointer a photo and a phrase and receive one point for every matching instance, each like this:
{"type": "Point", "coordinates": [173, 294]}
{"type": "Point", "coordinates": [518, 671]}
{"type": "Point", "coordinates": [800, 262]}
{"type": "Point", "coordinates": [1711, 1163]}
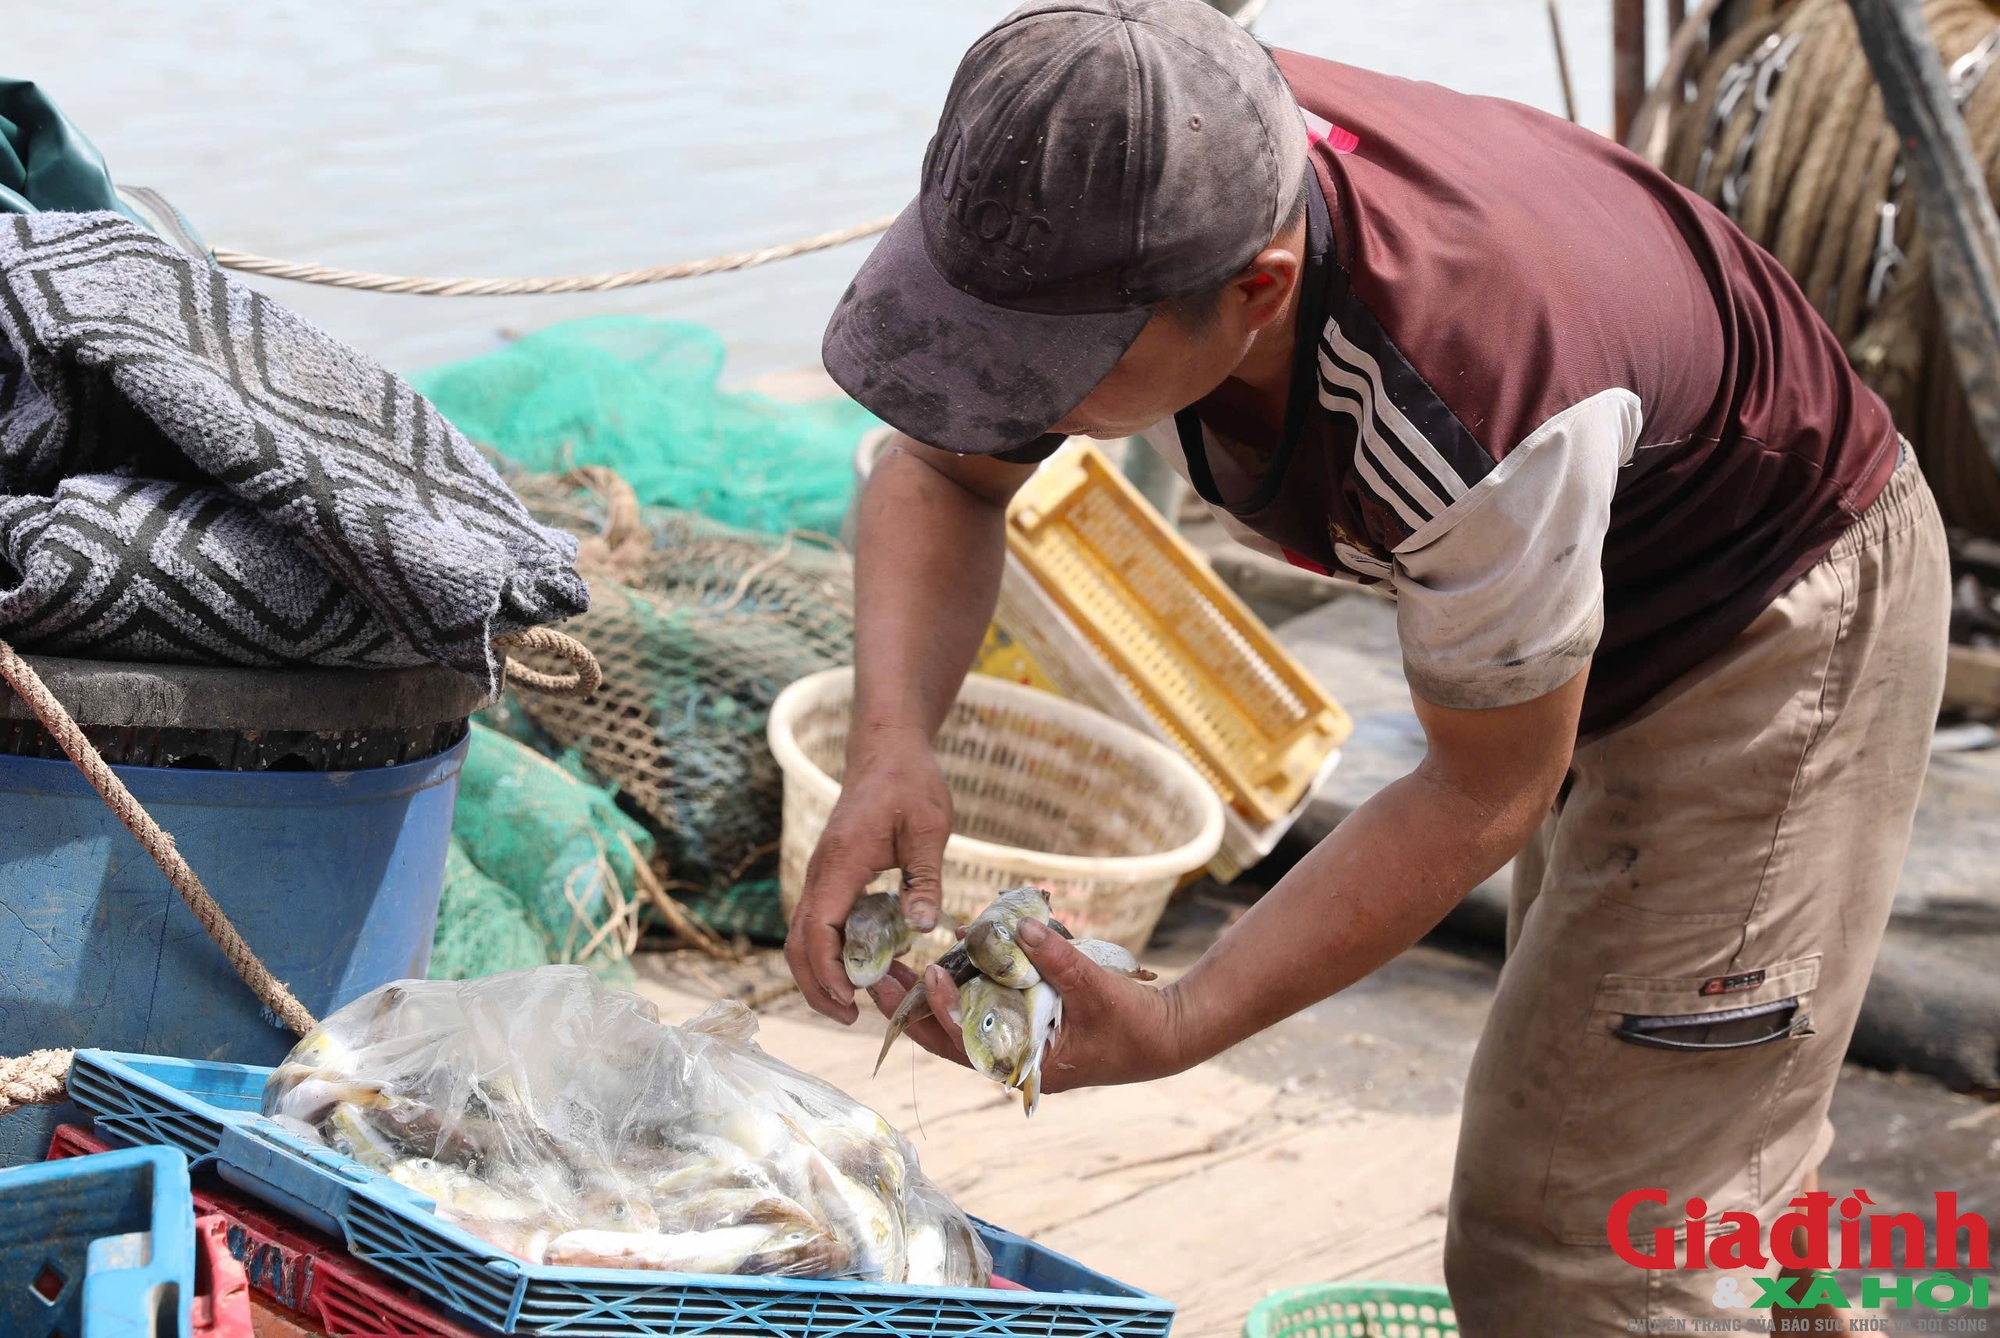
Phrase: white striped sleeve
{"type": "Point", "coordinates": [1500, 596]}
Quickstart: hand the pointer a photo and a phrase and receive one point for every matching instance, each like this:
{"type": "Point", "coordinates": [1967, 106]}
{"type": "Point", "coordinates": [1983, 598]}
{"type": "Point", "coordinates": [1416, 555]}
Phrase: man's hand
{"type": "Point", "coordinates": [1114, 1030]}
{"type": "Point", "coordinates": [894, 812]}
{"type": "Point", "coordinates": [927, 560]}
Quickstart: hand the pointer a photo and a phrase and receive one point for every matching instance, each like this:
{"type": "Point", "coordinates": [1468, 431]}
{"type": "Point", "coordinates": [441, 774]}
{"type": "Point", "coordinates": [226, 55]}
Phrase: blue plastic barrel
{"type": "Point", "coordinates": [332, 877]}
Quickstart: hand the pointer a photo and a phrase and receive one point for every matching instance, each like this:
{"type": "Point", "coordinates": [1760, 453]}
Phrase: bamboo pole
{"type": "Point", "coordinates": [1562, 61]}
{"type": "Point", "coordinates": [1647, 136]}
{"type": "Point", "coordinates": [1628, 63]}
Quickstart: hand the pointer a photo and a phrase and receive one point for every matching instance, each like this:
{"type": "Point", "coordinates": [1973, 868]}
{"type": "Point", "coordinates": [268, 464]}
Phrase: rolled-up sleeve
{"type": "Point", "coordinates": [1504, 601]}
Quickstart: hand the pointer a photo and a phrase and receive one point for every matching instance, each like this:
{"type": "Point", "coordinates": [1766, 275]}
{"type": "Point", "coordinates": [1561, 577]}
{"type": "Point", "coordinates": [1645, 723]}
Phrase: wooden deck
{"type": "Point", "coordinates": [1210, 1188]}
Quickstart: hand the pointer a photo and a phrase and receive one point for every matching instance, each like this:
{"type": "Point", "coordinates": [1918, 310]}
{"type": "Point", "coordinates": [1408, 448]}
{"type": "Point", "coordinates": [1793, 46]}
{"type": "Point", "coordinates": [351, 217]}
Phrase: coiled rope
{"type": "Point", "coordinates": [584, 677]}
{"type": "Point", "coordinates": [1781, 124]}
{"type": "Point", "coordinates": [300, 272]}
{"type": "Point", "coordinates": [37, 1078]}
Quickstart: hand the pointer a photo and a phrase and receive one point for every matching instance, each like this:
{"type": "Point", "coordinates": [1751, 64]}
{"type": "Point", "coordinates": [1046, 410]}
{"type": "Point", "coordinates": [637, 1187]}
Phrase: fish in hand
{"type": "Point", "coordinates": [1010, 907]}
{"type": "Point", "coordinates": [955, 964]}
{"type": "Point", "coordinates": [875, 935]}
{"type": "Point", "coordinates": [1006, 1031]}
{"type": "Point", "coordinates": [990, 941]}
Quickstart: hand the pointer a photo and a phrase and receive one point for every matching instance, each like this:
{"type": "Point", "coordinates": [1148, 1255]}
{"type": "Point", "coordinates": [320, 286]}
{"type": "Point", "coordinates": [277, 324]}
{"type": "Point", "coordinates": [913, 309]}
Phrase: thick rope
{"type": "Point", "coordinates": [582, 680]}
{"type": "Point", "coordinates": [35, 1079]}
{"type": "Point", "coordinates": [301, 272]}
{"type": "Point", "coordinates": [156, 842]}
{"type": "Point", "coordinates": [1785, 130]}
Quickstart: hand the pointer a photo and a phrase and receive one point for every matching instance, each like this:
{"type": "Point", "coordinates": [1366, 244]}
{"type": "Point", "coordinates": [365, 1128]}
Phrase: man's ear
{"type": "Point", "coordinates": [1264, 286]}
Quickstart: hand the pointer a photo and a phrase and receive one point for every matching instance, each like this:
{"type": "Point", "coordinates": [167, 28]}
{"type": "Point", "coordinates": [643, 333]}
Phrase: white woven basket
{"type": "Point", "coordinates": [1043, 791]}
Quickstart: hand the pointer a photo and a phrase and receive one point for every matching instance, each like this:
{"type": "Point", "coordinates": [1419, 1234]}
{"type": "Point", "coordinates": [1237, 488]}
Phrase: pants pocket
{"type": "Point", "coordinates": [1675, 1088]}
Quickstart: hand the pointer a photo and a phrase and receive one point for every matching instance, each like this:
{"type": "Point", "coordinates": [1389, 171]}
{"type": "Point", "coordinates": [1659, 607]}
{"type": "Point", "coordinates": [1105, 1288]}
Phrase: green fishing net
{"type": "Point", "coordinates": [640, 396]}
{"type": "Point", "coordinates": [482, 927]}
{"type": "Point", "coordinates": [750, 907]}
{"type": "Point", "coordinates": [698, 627]}
{"type": "Point", "coordinates": [541, 868]}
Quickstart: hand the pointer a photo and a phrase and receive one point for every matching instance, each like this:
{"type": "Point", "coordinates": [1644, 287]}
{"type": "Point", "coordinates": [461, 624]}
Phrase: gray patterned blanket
{"type": "Point", "coordinates": [190, 472]}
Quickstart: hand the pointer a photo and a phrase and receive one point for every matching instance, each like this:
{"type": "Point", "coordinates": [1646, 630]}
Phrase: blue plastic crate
{"type": "Point", "coordinates": [211, 1111]}
{"type": "Point", "coordinates": [97, 1247]}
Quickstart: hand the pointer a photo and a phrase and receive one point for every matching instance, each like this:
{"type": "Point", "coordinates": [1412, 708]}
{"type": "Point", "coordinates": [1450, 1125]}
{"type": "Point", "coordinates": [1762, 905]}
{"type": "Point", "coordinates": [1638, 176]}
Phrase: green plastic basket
{"type": "Point", "coordinates": [1353, 1310]}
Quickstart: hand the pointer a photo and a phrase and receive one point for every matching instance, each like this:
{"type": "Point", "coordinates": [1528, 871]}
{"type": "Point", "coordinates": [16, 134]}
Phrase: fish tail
{"type": "Point", "coordinates": [899, 1021]}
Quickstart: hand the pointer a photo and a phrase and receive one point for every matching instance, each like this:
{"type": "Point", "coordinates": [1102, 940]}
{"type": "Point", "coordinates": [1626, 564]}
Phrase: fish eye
{"type": "Point", "coordinates": [986, 1024]}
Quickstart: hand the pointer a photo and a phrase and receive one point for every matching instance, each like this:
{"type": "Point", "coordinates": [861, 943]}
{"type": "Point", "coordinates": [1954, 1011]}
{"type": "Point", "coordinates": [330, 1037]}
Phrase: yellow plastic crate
{"type": "Point", "coordinates": [1001, 655]}
{"type": "Point", "coordinates": [1162, 633]}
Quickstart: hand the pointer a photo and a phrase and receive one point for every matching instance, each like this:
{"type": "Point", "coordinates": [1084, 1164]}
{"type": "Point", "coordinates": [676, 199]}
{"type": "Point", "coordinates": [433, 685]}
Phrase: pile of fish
{"type": "Point", "coordinates": [565, 1124]}
{"type": "Point", "coordinates": [1009, 1012]}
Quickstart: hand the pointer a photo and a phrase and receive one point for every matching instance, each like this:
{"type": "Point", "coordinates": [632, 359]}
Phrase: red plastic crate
{"type": "Point", "coordinates": [221, 1304]}
{"type": "Point", "coordinates": [297, 1268]}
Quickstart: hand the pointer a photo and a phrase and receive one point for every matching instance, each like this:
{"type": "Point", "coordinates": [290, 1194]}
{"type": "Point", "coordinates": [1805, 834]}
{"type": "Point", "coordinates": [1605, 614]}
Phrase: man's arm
{"type": "Point", "coordinates": [1383, 878]}
{"type": "Point", "coordinates": [1388, 873]}
{"type": "Point", "coordinates": [929, 549]}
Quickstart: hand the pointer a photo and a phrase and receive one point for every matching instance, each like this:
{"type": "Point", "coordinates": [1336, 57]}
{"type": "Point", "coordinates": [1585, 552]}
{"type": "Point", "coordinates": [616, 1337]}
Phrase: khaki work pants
{"type": "Point", "coordinates": [1734, 845]}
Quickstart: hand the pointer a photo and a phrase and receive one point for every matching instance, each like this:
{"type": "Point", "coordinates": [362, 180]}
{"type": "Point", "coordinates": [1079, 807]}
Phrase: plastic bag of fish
{"type": "Point", "coordinates": [566, 1124]}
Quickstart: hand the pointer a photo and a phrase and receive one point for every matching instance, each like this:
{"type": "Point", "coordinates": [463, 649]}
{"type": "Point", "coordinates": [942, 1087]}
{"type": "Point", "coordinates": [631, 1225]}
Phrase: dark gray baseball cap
{"type": "Point", "coordinates": [1094, 158]}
